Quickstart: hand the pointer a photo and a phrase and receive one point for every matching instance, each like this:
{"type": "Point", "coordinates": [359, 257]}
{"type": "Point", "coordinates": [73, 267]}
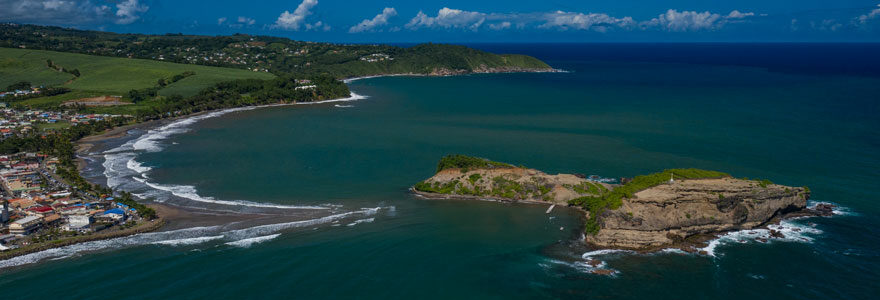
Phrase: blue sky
{"type": "Point", "coordinates": [367, 21]}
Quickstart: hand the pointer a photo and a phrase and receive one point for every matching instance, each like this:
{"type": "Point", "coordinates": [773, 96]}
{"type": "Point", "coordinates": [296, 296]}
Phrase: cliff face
{"type": "Point", "coordinates": [666, 214]}
{"type": "Point", "coordinates": [648, 212]}
{"type": "Point", "coordinates": [508, 184]}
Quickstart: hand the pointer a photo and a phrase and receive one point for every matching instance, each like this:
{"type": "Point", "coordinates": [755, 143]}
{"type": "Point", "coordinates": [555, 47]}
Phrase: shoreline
{"type": "Point", "coordinates": [538, 71]}
{"type": "Point", "coordinates": [696, 244]}
{"type": "Point", "coordinates": [147, 226]}
{"type": "Point", "coordinates": [173, 214]}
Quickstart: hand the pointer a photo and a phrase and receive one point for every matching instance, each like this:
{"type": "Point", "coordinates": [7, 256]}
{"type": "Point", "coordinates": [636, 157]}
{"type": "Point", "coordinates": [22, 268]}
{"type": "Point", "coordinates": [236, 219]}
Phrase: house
{"type": "Point", "coordinates": [115, 214]}
{"type": "Point", "coordinates": [78, 222]}
{"type": "Point", "coordinates": [26, 225]}
{"type": "Point", "coordinates": [52, 219]}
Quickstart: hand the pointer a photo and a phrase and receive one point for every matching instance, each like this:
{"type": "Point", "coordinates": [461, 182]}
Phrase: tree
{"type": "Point", "coordinates": [21, 85]}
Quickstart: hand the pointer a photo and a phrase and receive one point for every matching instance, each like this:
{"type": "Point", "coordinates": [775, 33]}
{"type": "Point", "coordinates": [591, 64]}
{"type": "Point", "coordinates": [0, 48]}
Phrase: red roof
{"type": "Point", "coordinates": [40, 209]}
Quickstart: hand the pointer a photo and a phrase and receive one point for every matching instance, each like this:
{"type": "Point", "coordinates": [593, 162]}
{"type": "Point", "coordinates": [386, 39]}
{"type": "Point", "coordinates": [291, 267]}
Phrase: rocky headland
{"type": "Point", "coordinates": [674, 208]}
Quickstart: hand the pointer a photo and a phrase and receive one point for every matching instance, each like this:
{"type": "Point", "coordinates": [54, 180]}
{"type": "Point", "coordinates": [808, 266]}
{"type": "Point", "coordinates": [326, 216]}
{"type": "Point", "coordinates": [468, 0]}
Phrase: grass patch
{"type": "Point", "coordinates": [465, 163]}
{"type": "Point", "coordinates": [613, 199]}
{"type": "Point", "coordinates": [52, 126]}
{"type": "Point", "coordinates": [474, 178]}
{"type": "Point", "coordinates": [506, 188]}
{"type": "Point", "coordinates": [111, 75]}
{"type": "Point", "coordinates": [436, 187]}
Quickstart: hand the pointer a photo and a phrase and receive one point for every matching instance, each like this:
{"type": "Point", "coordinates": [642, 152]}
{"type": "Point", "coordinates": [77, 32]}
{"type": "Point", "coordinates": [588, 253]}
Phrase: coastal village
{"type": "Point", "coordinates": [17, 122]}
{"type": "Point", "coordinates": [37, 204]}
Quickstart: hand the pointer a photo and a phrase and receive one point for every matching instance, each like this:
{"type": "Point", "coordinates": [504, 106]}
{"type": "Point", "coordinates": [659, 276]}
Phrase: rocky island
{"type": "Point", "coordinates": [673, 208]}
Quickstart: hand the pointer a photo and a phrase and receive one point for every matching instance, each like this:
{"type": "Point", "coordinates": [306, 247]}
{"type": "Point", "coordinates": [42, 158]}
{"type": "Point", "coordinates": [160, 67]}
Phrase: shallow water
{"type": "Point", "coordinates": [352, 163]}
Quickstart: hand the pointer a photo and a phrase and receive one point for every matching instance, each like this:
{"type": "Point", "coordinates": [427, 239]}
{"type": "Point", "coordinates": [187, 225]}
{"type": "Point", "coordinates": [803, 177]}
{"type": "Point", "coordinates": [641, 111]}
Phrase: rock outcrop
{"type": "Point", "coordinates": [648, 212]}
{"type": "Point", "coordinates": [508, 184]}
{"type": "Point", "coordinates": [670, 213]}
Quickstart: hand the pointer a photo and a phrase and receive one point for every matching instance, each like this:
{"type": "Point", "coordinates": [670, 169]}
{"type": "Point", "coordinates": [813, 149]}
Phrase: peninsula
{"type": "Point", "coordinates": [674, 208]}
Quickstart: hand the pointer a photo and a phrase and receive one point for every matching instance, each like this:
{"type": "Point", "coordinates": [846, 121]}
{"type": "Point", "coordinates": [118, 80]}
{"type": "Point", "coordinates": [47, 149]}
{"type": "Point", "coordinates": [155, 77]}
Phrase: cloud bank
{"type": "Point", "coordinates": [377, 21]}
{"type": "Point", "coordinates": [673, 21]}
{"type": "Point", "coordinates": [70, 12]}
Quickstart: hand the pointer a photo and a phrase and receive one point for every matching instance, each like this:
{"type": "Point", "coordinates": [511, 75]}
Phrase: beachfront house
{"type": "Point", "coordinates": [26, 226]}
{"type": "Point", "coordinates": [78, 222]}
{"type": "Point", "coordinates": [115, 214]}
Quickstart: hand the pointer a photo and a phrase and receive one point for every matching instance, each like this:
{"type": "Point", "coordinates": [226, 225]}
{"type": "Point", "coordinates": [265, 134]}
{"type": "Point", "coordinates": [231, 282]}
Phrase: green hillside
{"type": "Point", "coordinates": [274, 54]}
{"type": "Point", "coordinates": [101, 75]}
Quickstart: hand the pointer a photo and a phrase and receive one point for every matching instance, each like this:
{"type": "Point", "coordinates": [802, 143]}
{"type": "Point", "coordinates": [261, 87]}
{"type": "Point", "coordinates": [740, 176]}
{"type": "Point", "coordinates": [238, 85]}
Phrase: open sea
{"type": "Point", "coordinates": [338, 175]}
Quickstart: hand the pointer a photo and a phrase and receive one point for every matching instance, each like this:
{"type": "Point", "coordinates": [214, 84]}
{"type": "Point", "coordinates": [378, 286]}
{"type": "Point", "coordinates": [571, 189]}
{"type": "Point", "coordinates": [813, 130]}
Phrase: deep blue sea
{"type": "Point", "coordinates": [331, 183]}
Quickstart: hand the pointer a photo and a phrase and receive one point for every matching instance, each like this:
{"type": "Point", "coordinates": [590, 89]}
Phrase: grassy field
{"type": "Point", "coordinates": [52, 126]}
{"type": "Point", "coordinates": [109, 75]}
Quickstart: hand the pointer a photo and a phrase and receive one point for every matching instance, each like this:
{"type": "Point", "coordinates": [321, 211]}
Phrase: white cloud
{"type": "Point", "coordinates": [500, 26]}
{"type": "Point", "coordinates": [52, 11]}
{"type": "Point", "coordinates": [826, 25]}
{"type": "Point", "coordinates": [377, 21]}
{"type": "Point", "coordinates": [592, 21]}
{"type": "Point", "coordinates": [735, 14]}
{"type": "Point", "coordinates": [297, 19]}
{"type": "Point", "coordinates": [674, 20]}
{"type": "Point", "coordinates": [866, 18]}
{"type": "Point", "coordinates": [128, 11]}
{"type": "Point", "coordinates": [318, 26]}
{"type": "Point", "coordinates": [448, 18]}
{"type": "Point", "coordinates": [246, 21]}
{"type": "Point", "coordinates": [220, 21]}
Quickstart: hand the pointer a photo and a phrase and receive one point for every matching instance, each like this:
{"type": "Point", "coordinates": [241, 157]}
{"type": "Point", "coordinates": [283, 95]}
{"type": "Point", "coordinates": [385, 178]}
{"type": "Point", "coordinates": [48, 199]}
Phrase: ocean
{"type": "Point", "coordinates": [328, 183]}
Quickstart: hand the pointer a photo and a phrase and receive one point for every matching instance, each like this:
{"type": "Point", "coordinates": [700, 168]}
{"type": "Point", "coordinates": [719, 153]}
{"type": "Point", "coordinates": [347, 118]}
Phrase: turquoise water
{"type": "Point", "coordinates": [607, 117]}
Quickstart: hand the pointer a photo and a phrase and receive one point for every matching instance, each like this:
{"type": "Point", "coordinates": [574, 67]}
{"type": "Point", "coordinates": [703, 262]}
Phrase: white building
{"type": "Point", "coordinates": [25, 226]}
{"type": "Point", "coordinates": [78, 222]}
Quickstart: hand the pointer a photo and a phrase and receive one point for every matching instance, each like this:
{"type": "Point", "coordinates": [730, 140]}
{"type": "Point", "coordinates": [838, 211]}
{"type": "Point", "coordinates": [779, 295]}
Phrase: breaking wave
{"type": "Point", "coordinates": [368, 220]}
{"type": "Point", "coordinates": [123, 242]}
{"type": "Point", "coordinates": [189, 241]}
{"type": "Point", "coordinates": [790, 232]}
{"type": "Point", "coordinates": [123, 171]}
{"type": "Point", "coordinates": [245, 243]}
{"type": "Point", "coordinates": [185, 237]}
{"type": "Point", "coordinates": [190, 192]}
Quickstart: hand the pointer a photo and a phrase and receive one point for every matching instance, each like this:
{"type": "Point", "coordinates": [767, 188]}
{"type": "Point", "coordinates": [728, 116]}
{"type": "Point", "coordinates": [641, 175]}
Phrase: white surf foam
{"type": "Point", "coordinates": [343, 106]}
{"type": "Point", "coordinates": [189, 241]}
{"type": "Point", "coordinates": [791, 231]}
{"type": "Point", "coordinates": [273, 228]}
{"type": "Point", "coordinates": [190, 192]}
{"type": "Point", "coordinates": [137, 166]}
{"type": "Point", "coordinates": [150, 141]}
{"type": "Point", "coordinates": [838, 209]}
{"type": "Point", "coordinates": [585, 266]}
{"type": "Point", "coordinates": [120, 163]}
{"type": "Point", "coordinates": [188, 236]}
{"type": "Point", "coordinates": [354, 97]}
{"type": "Point", "coordinates": [245, 243]}
{"type": "Point", "coordinates": [361, 221]}
{"type": "Point", "coordinates": [138, 239]}
{"type": "Point", "coordinates": [592, 254]}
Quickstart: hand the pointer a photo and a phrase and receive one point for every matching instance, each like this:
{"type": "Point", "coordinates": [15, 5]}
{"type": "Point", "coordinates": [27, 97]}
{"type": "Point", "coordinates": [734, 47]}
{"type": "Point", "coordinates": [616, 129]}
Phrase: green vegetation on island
{"type": "Point", "coordinates": [464, 162]}
{"type": "Point", "coordinates": [596, 205]}
{"type": "Point", "coordinates": [594, 197]}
